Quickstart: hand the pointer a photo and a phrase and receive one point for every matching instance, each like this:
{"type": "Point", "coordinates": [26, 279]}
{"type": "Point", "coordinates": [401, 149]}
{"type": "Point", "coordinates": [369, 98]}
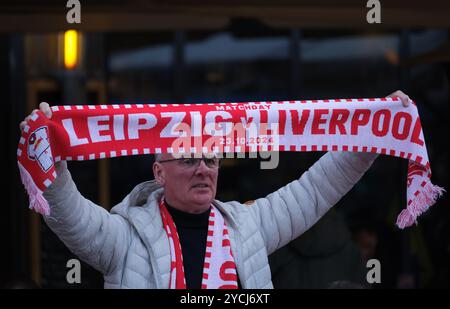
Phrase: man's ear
{"type": "Point", "coordinates": [158, 173]}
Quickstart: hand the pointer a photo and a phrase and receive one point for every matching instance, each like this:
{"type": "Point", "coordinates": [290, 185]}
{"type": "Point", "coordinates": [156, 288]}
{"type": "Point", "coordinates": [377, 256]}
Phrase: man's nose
{"type": "Point", "coordinates": [202, 168]}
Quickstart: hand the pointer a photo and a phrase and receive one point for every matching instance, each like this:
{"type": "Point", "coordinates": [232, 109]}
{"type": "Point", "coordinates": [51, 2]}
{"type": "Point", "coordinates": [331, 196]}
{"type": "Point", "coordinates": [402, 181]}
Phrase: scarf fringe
{"type": "Point", "coordinates": [37, 201]}
{"type": "Point", "coordinates": [420, 204]}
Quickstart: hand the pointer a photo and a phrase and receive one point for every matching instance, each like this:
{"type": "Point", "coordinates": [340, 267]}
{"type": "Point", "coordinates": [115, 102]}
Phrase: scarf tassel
{"type": "Point", "coordinates": [37, 201]}
{"type": "Point", "coordinates": [426, 197]}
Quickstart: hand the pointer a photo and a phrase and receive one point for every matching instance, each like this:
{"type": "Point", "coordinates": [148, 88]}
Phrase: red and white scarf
{"type": "Point", "coordinates": [219, 269]}
{"type": "Point", "coordinates": [87, 132]}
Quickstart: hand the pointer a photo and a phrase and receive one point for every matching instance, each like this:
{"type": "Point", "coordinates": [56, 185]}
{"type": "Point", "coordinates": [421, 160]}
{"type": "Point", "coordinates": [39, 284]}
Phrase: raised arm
{"type": "Point", "coordinates": [87, 229]}
{"type": "Point", "coordinates": [288, 212]}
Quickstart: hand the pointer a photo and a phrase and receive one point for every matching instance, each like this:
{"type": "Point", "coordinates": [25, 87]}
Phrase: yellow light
{"type": "Point", "coordinates": [70, 49]}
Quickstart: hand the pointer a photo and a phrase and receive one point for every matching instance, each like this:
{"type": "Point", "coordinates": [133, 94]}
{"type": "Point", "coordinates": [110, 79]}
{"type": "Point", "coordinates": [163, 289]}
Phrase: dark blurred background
{"type": "Point", "coordinates": [186, 51]}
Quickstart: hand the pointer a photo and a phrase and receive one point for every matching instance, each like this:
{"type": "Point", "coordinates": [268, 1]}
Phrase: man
{"type": "Point", "coordinates": [171, 232]}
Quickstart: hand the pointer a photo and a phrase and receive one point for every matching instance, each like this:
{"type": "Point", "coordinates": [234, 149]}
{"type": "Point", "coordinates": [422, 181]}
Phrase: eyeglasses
{"type": "Point", "coordinates": [212, 163]}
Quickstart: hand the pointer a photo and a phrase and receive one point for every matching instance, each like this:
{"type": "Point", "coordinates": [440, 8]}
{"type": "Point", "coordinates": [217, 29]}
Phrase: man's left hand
{"type": "Point", "coordinates": [402, 96]}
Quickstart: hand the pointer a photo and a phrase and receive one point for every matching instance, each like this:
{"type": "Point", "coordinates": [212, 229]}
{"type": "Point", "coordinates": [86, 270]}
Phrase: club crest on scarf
{"type": "Point", "coordinates": [39, 148]}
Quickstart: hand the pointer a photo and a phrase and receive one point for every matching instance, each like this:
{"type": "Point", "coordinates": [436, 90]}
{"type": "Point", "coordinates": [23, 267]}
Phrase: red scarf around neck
{"type": "Point", "coordinates": [219, 269]}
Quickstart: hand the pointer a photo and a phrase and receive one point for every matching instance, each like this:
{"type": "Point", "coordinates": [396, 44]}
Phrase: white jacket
{"type": "Point", "coordinates": [130, 247]}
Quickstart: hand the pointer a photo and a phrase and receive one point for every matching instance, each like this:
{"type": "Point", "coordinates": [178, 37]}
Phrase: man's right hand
{"type": "Point", "coordinates": [43, 107]}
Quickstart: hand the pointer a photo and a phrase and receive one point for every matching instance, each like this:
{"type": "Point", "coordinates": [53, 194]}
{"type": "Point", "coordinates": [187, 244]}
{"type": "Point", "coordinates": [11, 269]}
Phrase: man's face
{"type": "Point", "coordinates": [189, 188]}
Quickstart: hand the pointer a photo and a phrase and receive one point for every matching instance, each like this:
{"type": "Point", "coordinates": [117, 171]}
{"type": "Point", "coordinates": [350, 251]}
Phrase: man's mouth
{"type": "Point", "coordinates": [200, 185]}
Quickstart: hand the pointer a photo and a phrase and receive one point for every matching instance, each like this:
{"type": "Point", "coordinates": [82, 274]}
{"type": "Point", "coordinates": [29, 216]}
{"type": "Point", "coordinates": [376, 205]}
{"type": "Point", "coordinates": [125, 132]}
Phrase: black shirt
{"type": "Point", "coordinates": [192, 230]}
